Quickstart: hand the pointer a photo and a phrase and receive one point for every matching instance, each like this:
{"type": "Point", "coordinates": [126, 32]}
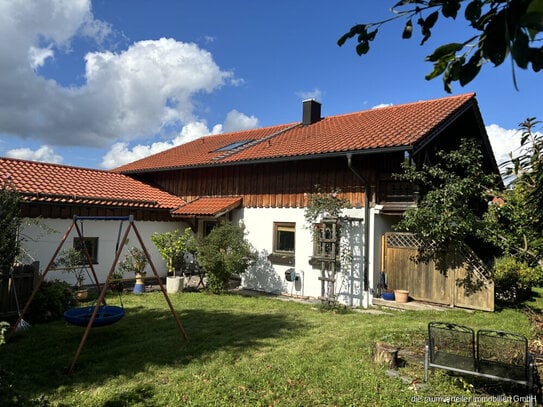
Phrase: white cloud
{"type": "Point", "coordinates": [38, 56]}
{"type": "Point", "coordinates": [144, 90]}
{"type": "Point", "coordinates": [120, 153]}
{"type": "Point", "coordinates": [312, 94]}
{"type": "Point", "coordinates": [43, 154]}
{"type": "Point", "coordinates": [382, 105]}
{"type": "Point", "coordinates": [236, 121]}
{"type": "Point", "coordinates": [503, 142]}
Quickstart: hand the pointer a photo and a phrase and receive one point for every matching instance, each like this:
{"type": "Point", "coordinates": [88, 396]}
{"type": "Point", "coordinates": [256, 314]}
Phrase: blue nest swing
{"type": "Point", "coordinates": [106, 315]}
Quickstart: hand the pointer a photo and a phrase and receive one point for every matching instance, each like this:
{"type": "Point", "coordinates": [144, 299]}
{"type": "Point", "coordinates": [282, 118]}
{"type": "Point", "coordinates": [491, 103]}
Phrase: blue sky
{"type": "Point", "coordinates": [97, 84]}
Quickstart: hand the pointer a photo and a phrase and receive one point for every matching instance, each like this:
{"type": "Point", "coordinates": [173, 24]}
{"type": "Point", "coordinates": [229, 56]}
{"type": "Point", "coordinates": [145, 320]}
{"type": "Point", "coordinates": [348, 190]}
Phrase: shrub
{"type": "Point", "coordinates": [514, 279]}
{"type": "Point", "coordinates": [10, 396]}
{"type": "Point", "coordinates": [223, 254]}
{"type": "Point", "coordinates": [4, 326]}
{"type": "Point", "coordinates": [50, 302]}
{"type": "Point", "coordinates": [9, 224]}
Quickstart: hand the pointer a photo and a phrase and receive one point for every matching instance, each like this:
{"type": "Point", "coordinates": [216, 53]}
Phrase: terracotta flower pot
{"type": "Point", "coordinates": [82, 295]}
{"type": "Point", "coordinates": [401, 295]}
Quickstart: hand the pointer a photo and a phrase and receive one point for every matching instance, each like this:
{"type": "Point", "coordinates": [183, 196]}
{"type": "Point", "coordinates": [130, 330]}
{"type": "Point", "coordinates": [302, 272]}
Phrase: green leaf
{"type": "Point", "coordinates": [470, 70]}
{"type": "Point", "coordinates": [408, 30]}
{"type": "Point", "coordinates": [359, 29]}
{"type": "Point", "coordinates": [495, 46]}
{"type": "Point", "coordinates": [450, 8]}
{"type": "Point", "coordinates": [444, 50]}
{"type": "Point", "coordinates": [520, 49]}
{"type": "Point", "coordinates": [473, 11]}
{"type": "Point", "coordinates": [371, 35]}
{"type": "Point", "coordinates": [535, 6]}
{"type": "Point", "coordinates": [453, 71]}
{"type": "Point", "coordinates": [431, 20]}
{"type": "Point", "coordinates": [536, 56]}
{"type": "Point", "coordinates": [439, 68]}
{"type": "Point", "coordinates": [362, 48]}
{"type": "Point", "coordinates": [533, 21]}
{"type": "Point", "coordinates": [426, 25]}
{"type": "Point", "coordinates": [447, 79]}
{"type": "Point", "coordinates": [343, 39]}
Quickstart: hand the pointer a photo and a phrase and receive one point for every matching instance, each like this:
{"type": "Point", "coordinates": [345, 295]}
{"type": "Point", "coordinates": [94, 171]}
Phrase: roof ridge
{"type": "Point", "coordinates": [47, 164]}
{"type": "Point", "coordinates": [470, 94]}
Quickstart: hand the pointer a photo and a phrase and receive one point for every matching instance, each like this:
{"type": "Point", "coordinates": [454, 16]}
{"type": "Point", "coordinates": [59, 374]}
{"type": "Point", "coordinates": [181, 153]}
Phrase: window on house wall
{"type": "Point", "coordinates": [91, 243]}
{"type": "Point", "coordinates": [284, 238]}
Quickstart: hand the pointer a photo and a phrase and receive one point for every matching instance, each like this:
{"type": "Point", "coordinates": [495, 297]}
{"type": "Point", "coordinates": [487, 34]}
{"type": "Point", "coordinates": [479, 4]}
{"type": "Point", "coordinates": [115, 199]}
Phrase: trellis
{"type": "Point", "coordinates": [327, 256]}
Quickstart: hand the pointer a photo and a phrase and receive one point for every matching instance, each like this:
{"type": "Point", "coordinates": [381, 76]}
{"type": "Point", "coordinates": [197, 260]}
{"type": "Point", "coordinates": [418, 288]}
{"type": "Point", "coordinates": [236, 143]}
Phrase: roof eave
{"type": "Point", "coordinates": [378, 150]}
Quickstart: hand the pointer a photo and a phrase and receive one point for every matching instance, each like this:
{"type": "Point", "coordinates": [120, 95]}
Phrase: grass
{"type": "Point", "coordinates": [243, 351]}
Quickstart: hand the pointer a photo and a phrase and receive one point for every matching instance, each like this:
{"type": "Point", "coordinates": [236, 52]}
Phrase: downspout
{"type": "Point", "coordinates": [367, 192]}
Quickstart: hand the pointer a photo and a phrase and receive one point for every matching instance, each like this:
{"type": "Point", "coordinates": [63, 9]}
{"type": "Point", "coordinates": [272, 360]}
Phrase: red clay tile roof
{"type": "Point", "coordinates": [388, 127]}
{"type": "Point", "coordinates": [208, 206]}
{"type": "Point", "coordinates": [202, 150]}
{"type": "Point", "coordinates": [43, 182]}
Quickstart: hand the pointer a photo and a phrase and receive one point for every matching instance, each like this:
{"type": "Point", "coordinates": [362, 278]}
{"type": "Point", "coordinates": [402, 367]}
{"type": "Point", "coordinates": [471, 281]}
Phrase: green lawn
{"type": "Point", "coordinates": [243, 351]}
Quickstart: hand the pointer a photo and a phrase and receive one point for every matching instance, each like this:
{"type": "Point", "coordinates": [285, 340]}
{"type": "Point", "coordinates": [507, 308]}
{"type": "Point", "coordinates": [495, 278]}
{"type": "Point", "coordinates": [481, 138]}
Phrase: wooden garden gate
{"type": "Point", "coordinates": [468, 285]}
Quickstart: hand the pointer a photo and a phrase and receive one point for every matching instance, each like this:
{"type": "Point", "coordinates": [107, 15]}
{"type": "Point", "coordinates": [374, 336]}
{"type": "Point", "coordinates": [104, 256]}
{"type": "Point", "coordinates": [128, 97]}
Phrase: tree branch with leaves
{"type": "Point", "coordinates": [455, 194]}
{"type": "Point", "coordinates": [514, 221]}
{"type": "Point", "coordinates": [503, 28]}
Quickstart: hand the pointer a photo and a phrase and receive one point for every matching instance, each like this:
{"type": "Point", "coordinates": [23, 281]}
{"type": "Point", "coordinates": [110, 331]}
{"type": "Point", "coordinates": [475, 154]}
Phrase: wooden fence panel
{"type": "Point", "coordinates": [22, 283]}
{"type": "Point", "coordinates": [467, 286]}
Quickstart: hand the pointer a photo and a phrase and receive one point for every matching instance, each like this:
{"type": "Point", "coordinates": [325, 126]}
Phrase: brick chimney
{"type": "Point", "coordinates": [311, 112]}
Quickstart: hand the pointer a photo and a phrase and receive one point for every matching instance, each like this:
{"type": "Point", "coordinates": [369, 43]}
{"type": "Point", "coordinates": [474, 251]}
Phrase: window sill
{"type": "Point", "coordinates": [282, 259]}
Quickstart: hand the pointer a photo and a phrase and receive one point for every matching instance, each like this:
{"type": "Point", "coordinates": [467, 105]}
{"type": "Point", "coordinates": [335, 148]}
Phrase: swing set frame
{"type": "Point", "coordinates": [101, 289]}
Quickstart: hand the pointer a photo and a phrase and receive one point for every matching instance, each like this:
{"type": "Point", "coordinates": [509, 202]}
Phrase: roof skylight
{"type": "Point", "coordinates": [234, 145]}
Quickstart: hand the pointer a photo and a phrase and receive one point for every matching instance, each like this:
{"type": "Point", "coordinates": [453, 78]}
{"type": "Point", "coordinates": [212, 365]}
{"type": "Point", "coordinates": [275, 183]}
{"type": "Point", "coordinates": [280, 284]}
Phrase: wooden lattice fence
{"type": "Point", "coordinates": [466, 285]}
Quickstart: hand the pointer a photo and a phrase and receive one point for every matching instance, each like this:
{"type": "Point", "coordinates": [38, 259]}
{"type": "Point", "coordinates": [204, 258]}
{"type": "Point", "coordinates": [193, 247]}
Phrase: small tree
{"type": "Point", "coordinates": [134, 261]}
{"type": "Point", "coordinates": [173, 246]}
{"type": "Point", "coordinates": [514, 221]}
{"type": "Point", "coordinates": [9, 224]}
{"type": "Point", "coordinates": [72, 261]}
{"type": "Point", "coordinates": [224, 253]}
{"type": "Point", "coordinates": [456, 194]}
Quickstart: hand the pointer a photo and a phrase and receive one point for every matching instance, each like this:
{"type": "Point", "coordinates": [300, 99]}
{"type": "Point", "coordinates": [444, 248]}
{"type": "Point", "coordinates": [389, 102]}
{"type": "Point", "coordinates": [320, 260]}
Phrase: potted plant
{"type": "Point", "coordinates": [72, 261]}
{"type": "Point", "coordinates": [173, 247]}
{"type": "Point", "coordinates": [135, 261]}
{"type": "Point", "coordinates": [116, 281]}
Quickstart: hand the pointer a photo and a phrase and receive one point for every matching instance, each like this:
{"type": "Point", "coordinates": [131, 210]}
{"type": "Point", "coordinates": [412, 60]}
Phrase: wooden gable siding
{"type": "Point", "coordinates": [275, 184]}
